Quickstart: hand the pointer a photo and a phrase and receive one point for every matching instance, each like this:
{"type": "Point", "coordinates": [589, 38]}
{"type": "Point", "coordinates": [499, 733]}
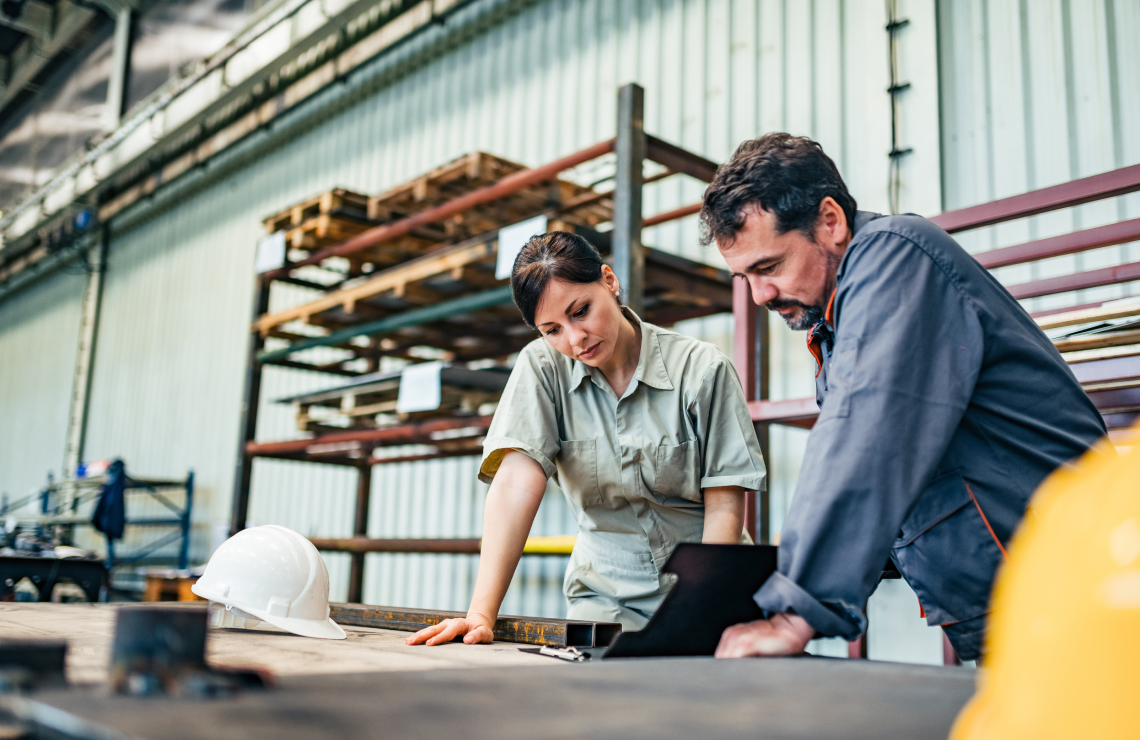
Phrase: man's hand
{"type": "Point", "coordinates": [783, 634]}
{"type": "Point", "coordinates": [473, 628]}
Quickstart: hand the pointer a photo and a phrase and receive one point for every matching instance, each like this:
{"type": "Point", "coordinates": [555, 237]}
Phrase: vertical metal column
{"type": "Point", "coordinates": [360, 527]}
{"type": "Point", "coordinates": [85, 356]}
{"type": "Point", "coordinates": [120, 79]}
{"type": "Point", "coordinates": [750, 355]}
{"type": "Point", "coordinates": [251, 399]}
{"type": "Point", "coordinates": [629, 258]}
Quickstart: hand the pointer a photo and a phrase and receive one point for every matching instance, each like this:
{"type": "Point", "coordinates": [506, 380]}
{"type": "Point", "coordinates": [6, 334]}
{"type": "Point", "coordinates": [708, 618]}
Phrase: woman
{"type": "Point", "coordinates": [646, 429]}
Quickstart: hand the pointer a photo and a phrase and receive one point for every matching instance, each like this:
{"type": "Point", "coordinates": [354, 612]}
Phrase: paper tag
{"type": "Point", "coordinates": [270, 252]}
{"type": "Point", "coordinates": [512, 239]}
{"type": "Point", "coordinates": [419, 388]}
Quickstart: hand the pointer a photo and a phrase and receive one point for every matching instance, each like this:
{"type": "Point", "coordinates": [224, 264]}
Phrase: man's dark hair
{"type": "Point", "coordinates": [556, 255]}
{"type": "Point", "coordinates": [787, 175]}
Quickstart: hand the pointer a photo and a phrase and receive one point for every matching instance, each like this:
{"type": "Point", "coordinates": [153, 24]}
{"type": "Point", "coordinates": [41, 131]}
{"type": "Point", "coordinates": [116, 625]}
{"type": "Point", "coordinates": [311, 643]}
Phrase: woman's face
{"type": "Point", "coordinates": [582, 320]}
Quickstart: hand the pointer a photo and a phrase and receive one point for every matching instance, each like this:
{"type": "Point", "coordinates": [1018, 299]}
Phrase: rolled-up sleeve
{"type": "Point", "coordinates": [907, 354]}
{"type": "Point", "coordinates": [526, 418]}
{"type": "Point", "coordinates": [730, 452]}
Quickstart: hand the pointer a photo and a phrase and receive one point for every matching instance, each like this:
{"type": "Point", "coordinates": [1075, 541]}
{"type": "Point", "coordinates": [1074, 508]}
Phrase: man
{"type": "Point", "coordinates": [942, 405]}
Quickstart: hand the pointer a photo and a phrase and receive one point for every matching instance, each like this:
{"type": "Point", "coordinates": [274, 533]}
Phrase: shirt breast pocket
{"type": "Point", "coordinates": [677, 472]}
{"type": "Point", "coordinates": [578, 471]}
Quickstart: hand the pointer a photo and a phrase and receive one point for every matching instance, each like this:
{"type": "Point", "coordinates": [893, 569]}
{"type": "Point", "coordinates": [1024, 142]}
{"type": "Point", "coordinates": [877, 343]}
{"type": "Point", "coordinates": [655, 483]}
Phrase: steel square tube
{"type": "Point", "coordinates": [1056, 246]}
{"type": "Point", "coordinates": [1085, 190]}
{"type": "Point", "coordinates": [796, 412]}
{"type": "Point", "coordinates": [679, 160]}
{"type": "Point", "coordinates": [1103, 371]}
{"type": "Point", "coordinates": [1077, 281]}
{"type": "Point", "coordinates": [527, 630]}
{"type": "Point", "coordinates": [414, 433]}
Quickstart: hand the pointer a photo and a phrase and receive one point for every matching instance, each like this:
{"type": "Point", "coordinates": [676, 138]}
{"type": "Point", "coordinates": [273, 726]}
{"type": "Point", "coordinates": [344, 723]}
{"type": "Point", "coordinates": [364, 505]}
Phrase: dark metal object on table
{"type": "Point", "coordinates": [527, 630]}
{"type": "Point", "coordinates": [162, 650]}
{"type": "Point", "coordinates": [26, 664]}
{"type": "Point", "coordinates": [714, 589]}
{"type": "Point", "coordinates": [46, 572]}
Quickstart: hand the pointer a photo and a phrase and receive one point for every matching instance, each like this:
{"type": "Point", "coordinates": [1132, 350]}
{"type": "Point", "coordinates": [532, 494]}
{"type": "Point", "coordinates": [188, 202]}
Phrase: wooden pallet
{"type": "Point", "coordinates": [477, 170]}
{"type": "Point", "coordinates": [370, 402]}
{"type": "Point", "coordinates": [336, 202]}
{"type": "Point", "coordinates": [170, 588]}
{"type": "Point", "coordinates": [675, 289]}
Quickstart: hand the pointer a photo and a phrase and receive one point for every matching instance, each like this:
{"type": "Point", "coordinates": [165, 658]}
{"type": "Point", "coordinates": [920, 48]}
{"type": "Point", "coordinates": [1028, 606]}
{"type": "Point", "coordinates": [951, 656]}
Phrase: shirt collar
{"type": "Point", "coordinates": [650, 364]}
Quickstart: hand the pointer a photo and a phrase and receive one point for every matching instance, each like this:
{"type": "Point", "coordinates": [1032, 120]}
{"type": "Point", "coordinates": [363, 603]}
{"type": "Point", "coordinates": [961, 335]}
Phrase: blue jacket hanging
{"type": "Point", "coordinates": [111, 510]}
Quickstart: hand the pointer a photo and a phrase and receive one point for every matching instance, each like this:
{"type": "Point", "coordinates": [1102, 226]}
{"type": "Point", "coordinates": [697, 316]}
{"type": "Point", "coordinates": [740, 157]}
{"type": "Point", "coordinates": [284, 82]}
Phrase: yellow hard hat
{"type": "Point", "coordinates": [1063, 644]}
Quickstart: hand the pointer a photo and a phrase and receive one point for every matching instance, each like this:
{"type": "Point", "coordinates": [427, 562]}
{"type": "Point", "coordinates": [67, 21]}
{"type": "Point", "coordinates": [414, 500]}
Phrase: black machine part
{"type": "Point", "coordinates": [714, 589]}
{"type": "Point", "coordinates": [162, 650]}
{"type": "Point", "coordinates": [27, 664]}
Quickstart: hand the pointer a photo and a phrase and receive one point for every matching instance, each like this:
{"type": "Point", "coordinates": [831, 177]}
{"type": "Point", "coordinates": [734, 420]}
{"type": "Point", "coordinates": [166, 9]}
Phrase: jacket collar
{"type": "Point", "coordinates": [824, 329]}
{"type": "Point", "coordinates": [650, 364]}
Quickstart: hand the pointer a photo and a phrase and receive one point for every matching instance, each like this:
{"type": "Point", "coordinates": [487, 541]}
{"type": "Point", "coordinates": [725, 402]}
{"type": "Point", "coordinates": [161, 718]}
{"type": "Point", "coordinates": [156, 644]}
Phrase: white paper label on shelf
{"type": "Point", "coordinates": [270, 252]}
{"type": "Point", "coordinates": [419, 388]}
{"type": "Point", "coordinates": [512, 239]}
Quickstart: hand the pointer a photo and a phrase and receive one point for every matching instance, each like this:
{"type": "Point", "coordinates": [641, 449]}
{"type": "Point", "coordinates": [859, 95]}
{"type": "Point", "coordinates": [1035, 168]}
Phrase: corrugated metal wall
{"type": "Point", "coordinates": [1035, 93]}
{"type": "Point", "coordinates": [527, 81]}
{"type": "Point", "coordinates": [39, 334]}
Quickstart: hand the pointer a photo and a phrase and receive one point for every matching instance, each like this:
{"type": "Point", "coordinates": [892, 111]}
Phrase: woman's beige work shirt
{"type": "Point", "coordinates": [632, 468]}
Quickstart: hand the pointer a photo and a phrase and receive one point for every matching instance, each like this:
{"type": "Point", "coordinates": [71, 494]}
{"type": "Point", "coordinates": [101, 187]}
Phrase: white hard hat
{"type": "Point", "coordinates": [274, 574]}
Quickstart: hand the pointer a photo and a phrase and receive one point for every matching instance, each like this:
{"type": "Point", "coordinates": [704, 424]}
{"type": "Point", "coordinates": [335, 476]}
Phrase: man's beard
{"type": "Point", "coordinates": [806, 319]}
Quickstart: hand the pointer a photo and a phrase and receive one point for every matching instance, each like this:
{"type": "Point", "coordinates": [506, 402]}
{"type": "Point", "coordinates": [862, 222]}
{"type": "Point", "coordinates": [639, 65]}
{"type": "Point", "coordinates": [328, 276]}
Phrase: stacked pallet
{"type": "Point", "coordinates": [372, 400]}
{"type": "Point", "coordinates": [449, 262]}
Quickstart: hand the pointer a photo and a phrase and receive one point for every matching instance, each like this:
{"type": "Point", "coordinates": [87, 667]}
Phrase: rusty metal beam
{"type": "Point", "coordinates": [625, 239]}
{"type": "Point", "coordinates": [1076, 281]}
{"type": "Point", "coordinates": [360, 529]}
{"type": "Point", "coordinates": [679, 160]}
{"type": "Point", "coordinates": [527, 630]}
{"type": "Point", "coordinates": [673, 215]}
{"type": "Point", "coordinates": [452, 546]}
{"type": "Point", "coordinates": [413, 433]}
{"type": "Point", "coordinates": [1074, 193]}
{"type": "Point", "coordinates": [508, 185]}
{"type": "Point", "coordinates": [1056, 246]}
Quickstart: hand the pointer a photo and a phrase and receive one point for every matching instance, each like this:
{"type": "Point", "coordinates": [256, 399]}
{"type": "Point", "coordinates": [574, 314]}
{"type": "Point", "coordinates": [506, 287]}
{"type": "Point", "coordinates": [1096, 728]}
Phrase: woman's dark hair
{"type": "Point", "coordinates": [556, 255]}
{"type": "Point", "coordinates": [787, 175]}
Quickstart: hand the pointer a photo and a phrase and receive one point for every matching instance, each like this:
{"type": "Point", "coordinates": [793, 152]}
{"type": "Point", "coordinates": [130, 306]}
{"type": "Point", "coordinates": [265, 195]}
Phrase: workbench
{"type": "Point", "coordinates": [373, 685]}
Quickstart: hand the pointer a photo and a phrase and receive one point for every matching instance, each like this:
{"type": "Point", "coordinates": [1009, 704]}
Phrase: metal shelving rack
{"type": "Point", "coordinates": [474, 320]}
{"type": "Point", "coordinates": [63, 499]}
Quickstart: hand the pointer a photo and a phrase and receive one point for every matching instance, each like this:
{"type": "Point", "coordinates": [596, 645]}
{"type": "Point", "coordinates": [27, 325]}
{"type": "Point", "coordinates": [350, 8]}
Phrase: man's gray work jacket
{"type": "Point", "coordinates": [942, 407]}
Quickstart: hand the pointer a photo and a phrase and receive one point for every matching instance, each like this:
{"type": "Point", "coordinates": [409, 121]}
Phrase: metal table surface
{"type": "Point", "coordinates": [628, 699]}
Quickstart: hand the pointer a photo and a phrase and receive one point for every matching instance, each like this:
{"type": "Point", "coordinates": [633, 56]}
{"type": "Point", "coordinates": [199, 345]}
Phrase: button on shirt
{"type": "Point", "coordinates": [632, 468]}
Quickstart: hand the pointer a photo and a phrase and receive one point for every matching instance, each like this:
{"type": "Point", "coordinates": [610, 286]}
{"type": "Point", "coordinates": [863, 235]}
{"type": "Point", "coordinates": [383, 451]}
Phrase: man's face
{"type": "Point", "coordinates": [789, 273]}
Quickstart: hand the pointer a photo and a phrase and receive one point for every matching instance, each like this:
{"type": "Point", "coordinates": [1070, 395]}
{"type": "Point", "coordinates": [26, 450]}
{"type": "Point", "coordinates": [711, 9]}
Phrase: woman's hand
{"type": "Point", "coordinates": [473, 628]}
{"type": "Point", "coordinates": [512, 502]}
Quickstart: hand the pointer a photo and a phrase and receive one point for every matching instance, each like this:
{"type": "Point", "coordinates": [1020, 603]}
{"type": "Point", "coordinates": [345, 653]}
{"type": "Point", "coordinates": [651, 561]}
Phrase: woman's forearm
{"type": "Point", "coordinates": [512, 503]}
{"type": "Point", "coordinates": [724, 515]}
